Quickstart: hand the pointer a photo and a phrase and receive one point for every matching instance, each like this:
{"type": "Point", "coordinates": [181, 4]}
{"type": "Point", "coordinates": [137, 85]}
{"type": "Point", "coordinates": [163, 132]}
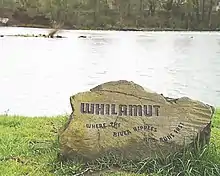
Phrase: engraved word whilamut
{"type": "Point", "coordinates": [120, 110]}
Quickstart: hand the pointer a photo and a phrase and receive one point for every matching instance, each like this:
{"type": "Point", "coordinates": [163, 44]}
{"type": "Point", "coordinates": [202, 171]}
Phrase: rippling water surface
{"type": "Point", "coordinates": [38, 75]}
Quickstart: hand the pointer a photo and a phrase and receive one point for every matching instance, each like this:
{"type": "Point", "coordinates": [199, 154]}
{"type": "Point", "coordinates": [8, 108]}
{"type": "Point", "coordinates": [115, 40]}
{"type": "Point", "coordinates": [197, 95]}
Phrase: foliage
{"type": "Point", "coordinates": [118, 14]}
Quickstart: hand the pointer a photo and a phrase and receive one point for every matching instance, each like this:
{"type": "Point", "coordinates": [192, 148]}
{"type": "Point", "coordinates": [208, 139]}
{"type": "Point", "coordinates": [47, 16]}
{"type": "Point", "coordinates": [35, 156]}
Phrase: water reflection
{"type": "Point", "coordinates": [182, 44]}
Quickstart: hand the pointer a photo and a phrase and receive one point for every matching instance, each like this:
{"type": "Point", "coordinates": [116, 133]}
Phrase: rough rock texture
{"type": "Point", "coordinates": [126, 119]}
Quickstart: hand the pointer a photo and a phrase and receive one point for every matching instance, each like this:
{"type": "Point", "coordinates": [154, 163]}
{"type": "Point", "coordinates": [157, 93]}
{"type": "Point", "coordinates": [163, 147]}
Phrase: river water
{"type": "Point", "coordinates": [38, 75]}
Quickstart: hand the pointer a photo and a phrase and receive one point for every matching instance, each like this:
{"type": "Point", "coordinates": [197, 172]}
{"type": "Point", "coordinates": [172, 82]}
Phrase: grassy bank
{"type": "Point", "coordinates": [28, 146]}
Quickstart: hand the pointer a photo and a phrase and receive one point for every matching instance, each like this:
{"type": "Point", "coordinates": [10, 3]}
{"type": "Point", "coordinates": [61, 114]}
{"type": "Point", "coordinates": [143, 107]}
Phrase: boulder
{"type": "Point", "coordinates": [126, 119]}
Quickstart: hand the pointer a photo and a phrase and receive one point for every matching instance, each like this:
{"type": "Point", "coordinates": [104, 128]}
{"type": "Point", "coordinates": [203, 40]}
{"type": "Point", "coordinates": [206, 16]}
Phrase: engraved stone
{"type": "Point", "coordinates": [127, 119]}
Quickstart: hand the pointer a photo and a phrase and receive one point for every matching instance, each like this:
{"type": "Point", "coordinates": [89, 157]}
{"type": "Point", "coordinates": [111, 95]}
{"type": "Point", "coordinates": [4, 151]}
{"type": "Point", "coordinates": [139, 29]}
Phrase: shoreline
{"type": "Point", "coordinates": [114, 28]}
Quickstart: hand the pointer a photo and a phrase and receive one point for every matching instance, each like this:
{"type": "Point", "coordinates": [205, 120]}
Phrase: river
{"type": "Point", "coordinates": [38, 75]}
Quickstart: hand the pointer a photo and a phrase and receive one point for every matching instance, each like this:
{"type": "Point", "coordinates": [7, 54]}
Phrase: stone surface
{"type": "Point", "coordinates": [126, 119]}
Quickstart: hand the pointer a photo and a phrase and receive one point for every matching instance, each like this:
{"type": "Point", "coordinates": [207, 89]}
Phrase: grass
{"type": "Point", "coordinates": [28, 146]}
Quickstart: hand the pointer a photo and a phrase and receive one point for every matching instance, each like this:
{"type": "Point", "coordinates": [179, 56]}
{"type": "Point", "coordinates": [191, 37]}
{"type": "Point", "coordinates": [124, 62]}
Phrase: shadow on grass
{"type": "Point", "coordinates": [201, 161]}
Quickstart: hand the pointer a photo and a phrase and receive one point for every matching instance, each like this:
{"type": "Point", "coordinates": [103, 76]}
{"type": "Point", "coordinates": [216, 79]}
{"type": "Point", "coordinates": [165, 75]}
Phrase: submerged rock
{"type": "Point", "coordinates": [82, 36]}
{"type": "Point", "coordinates": [39, 35]}
{"type": "Point", "coordinates": [123, 118]}
{"type": "Point", "coordinates": [58, 36]}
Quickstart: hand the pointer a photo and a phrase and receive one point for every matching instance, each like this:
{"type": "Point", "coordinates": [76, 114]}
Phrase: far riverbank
{"type": "Point", "coordinates": [113, 28]}
{"type": "Point", "coordinates": [109, 16]}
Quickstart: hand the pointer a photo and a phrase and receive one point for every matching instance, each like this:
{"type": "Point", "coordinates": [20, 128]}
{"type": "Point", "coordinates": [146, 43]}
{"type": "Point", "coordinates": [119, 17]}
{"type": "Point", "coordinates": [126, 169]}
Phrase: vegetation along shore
{"type": "Point", "coordinates": [113, 14]}
{"type": "Point", "coordinates": [29, 146]}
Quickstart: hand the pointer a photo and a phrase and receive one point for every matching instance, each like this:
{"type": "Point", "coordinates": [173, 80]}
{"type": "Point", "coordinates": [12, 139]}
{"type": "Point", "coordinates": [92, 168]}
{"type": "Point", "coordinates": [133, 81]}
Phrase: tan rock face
{"type": "Point", "coordinates": [124, 118]}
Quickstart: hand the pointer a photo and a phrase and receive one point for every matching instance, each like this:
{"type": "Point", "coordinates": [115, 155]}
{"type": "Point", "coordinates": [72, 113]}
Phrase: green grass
{"type": "Point", "coordinates": [28, 146]}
